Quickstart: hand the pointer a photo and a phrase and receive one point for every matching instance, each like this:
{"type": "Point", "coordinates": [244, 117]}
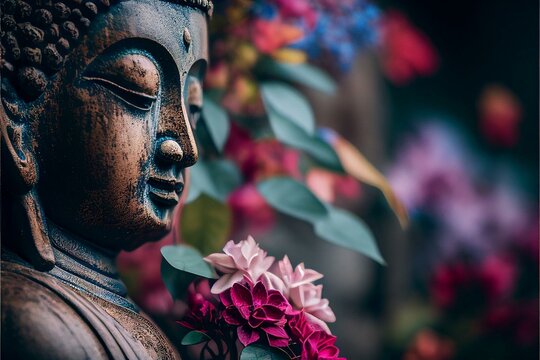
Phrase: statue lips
{"type": "Point", "coordinates": [165, 191]}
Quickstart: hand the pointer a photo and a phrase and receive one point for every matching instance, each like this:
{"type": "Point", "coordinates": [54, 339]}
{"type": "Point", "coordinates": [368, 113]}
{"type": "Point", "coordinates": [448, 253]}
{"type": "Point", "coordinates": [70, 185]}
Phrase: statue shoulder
{"type": "Point", "coordinates": [38, 324]}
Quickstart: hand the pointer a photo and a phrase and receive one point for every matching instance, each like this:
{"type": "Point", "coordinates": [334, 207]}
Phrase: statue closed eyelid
{"type": "Point", "coordinates": [132, 72]}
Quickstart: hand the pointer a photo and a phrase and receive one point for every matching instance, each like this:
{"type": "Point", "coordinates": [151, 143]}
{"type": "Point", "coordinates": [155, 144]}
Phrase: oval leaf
{"type": "Point", "coordinates": [343, 228]}
{"type": "Point", "coordinates": [187, 259]}
{"type": "Point", "coordinates": [260, 352]}
{"type": "Point", "coordinates": [194, 337]}
{"type": "Point", "coordinates": [217, 123]}
{"type": "Point", "coordinates": [289, 103]}
{"type": "Point", "coordinates": [292, 198]}
{"type": "Point", "coordinates": [205, 224]}
{"type": "Point", "coordinates": [215, 178]}
{"type": "Point", "coordinates": [290, 134]}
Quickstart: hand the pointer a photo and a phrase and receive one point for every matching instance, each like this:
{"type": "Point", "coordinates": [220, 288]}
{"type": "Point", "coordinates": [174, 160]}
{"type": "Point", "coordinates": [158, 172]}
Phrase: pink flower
{"type": "Point", "coordinates": [298, 285]}
{"type": "Point", "coordinates": [256, 310]}
{"type": "Point", "coordinates": [294, 278]}
{"type": "Point", "coordinates": [308, 297]}
{"type": "Point", "coordinates": [242, 259]}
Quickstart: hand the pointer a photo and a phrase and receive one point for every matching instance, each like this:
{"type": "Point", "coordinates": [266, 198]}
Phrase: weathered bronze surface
{"type": "Point", "coordinates": [96, 122]}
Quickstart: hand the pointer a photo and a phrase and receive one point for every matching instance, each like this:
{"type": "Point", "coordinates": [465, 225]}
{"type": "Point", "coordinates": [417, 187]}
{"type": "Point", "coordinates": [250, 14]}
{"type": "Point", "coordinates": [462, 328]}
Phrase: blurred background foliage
{"type": "Point", "coordinates": [444, 101]}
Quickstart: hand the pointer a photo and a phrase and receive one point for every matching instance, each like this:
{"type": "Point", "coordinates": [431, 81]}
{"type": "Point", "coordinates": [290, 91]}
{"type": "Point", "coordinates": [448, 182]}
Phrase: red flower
{"type": "Point", "coordinates": [500, 114]}
{"type": "Point", "coordinates": [271, 35]}
{"type": "Point", "coordinates": [256, 310]}
{"type": "Point", "coordinates": [486, 283]}
{"type": "Point", "coordinates": [515, 320]}
{"type": "Point", "coordinates": [406, 52]}
{"type": "Point", "coordinates": [427, 345]}
{"type": "Point", "coordinates": [252, 213]}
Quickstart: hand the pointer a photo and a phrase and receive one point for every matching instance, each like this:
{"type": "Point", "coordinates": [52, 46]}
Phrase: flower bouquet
{"type": "Point", "coordinates": [256, 308]}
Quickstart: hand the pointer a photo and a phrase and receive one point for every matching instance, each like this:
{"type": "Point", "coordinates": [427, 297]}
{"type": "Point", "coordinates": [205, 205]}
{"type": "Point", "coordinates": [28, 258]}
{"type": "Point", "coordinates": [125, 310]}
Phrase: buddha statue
{"type": "Point", "coordinates": [99, 98]}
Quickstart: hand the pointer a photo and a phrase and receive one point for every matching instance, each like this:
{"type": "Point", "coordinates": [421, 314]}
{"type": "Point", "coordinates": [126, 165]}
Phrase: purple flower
{"type": "Point", "coordinates": [255, 311]}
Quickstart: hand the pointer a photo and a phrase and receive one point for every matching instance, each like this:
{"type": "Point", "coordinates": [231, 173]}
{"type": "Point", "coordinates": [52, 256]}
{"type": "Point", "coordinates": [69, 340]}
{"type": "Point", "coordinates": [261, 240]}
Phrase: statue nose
{"type": "Point", "coordinates": [170, 151]}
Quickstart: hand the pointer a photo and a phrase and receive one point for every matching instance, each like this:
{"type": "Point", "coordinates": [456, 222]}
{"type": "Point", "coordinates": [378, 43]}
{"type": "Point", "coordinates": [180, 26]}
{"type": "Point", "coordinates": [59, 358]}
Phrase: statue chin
{"type": "Point", "coordinates": [96, 136]}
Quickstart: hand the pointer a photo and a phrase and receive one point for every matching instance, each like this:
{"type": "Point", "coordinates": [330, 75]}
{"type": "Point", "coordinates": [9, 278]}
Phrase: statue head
{"type": "Point", "coordinates": [98, 104]}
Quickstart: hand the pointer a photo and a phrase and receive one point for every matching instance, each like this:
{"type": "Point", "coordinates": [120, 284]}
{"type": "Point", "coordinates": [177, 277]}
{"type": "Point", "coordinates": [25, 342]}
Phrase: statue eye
{"type": "Point", "coordinates": [137, 99]}
{"type": "Point", "coordinates": [194, 99]}
{"type": "Point", "coordinates": [134, 78]}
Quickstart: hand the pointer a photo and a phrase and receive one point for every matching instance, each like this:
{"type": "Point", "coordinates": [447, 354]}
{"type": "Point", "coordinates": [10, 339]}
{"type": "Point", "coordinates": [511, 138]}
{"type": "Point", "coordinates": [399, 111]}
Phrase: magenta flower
{"type": "Point", "coordinates": [299, 327]}
{"type": "Point", "coordinates": [202, 314]}
{"type": "Point", "coordinates": [255, 311]}
{"type": "Point", "coordinates": [244, 259]}
{"type": "Point", "coordinates": [320, 346]}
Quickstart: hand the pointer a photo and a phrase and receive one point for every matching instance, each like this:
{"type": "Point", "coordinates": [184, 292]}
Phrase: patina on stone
{"type": "Point", "coordinates": [96, 131]}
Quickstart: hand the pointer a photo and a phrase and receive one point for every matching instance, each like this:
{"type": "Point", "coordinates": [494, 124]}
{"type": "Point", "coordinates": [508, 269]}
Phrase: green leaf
{"type": "Point", "coordinates": [343, 228]}
{"type": "Point", "coordinates": [180, 265]}
{"type": "Point", "coordinates": [225, 176]}
{"type": "Point", "coordinates": [293, 198]}
{"type": "Point", "coordinates": [289, 103]}
{"type": "Point", "coordinates": [261, 352]}
{"type": "Point", "coordinates": [217, 123]}
{"type": "Point", "coordinates": [290, 134]}
{"type": "Point", "coordinates": [205, 224]}
{"type": "Point", "coordinates": [215, 178]}
{"type": "Point", "coordinates": [194, 337]}
{"type": "Point", "coordinates": [187, 259]}
{"type": "Point", "coordinates": [304, 74]}
{"type": "Point", "coordinates": [334, 225]}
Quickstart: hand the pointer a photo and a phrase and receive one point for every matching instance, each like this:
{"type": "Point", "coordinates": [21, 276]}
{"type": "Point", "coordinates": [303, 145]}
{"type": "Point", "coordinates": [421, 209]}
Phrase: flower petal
{"type": "Point", "coordinates": [276, 331]}
{"type": "Point", "coordinates": [257, 318]}
{"type": "Point", "coordinates": [277, 300]}
{"type": "Point", "coordinates": [272, 281]}
{"type": "Point", "coordinates": [225, 282]}
{"type": "Point", "coordinates": [242, 299]}
{"type": "Point", "coordinates": [259, 294]}
{"type": "Point", "coordinates": [232, 316]}
{"type": "Point", "coordinates": [277, 342]}
{"type": "Point", "coordinates": [225, 298]}
{"type": "Point", "coordinates": [272, 313]}
{"type": "Point", "coordinates": [318, 322]}
{"type": "Point", "coordinates": [221, 262]}
{"type": "Point", "coordinates": [247, 335]}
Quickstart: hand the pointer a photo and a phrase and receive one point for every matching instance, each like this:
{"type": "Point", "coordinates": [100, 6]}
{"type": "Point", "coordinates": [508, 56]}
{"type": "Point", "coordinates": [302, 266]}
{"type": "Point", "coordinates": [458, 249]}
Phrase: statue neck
{"type": "Point", "coordinates": [87, 267]}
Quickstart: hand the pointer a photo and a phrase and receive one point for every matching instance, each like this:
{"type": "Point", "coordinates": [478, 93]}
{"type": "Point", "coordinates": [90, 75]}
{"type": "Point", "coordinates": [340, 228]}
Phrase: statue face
{"type": "Point", "coordinates": [112, 132]}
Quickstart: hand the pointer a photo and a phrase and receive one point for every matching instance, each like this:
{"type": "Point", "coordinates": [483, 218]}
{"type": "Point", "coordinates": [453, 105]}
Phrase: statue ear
{"type": "Point", "coordinates": [19, 170]}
